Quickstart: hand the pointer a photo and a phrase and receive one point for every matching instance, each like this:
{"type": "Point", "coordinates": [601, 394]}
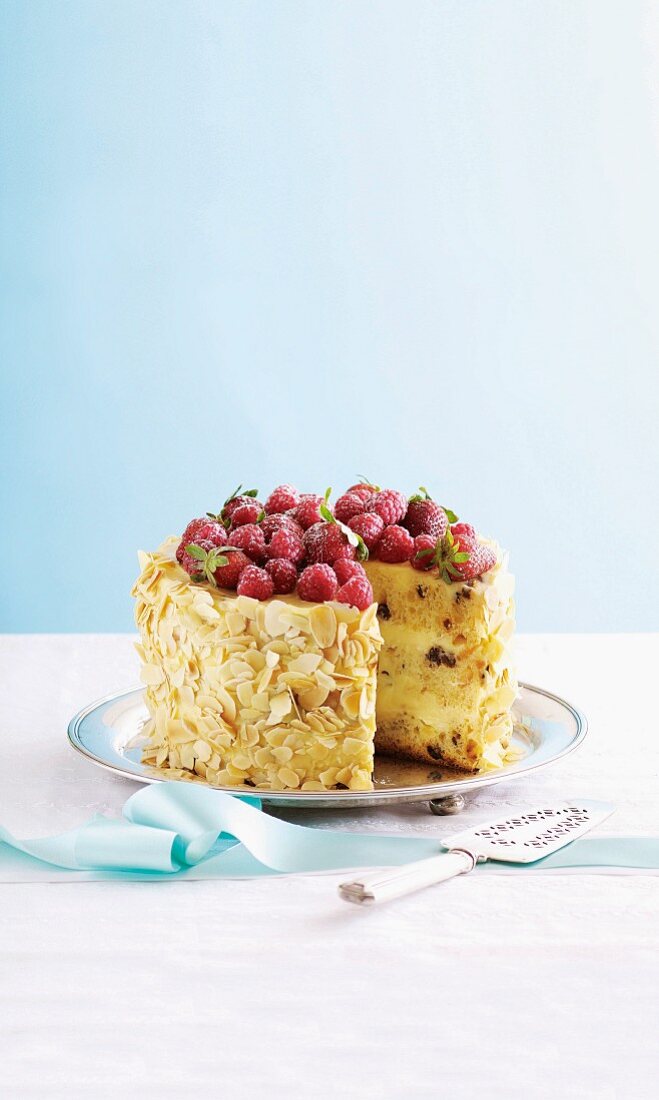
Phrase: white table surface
{"type": "Point", "coordinates": [496, 987]}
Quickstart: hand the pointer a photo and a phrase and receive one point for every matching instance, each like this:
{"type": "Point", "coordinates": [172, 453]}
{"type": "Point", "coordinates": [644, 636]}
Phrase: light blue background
{"type": "Point", "coordinates": [304, 240]}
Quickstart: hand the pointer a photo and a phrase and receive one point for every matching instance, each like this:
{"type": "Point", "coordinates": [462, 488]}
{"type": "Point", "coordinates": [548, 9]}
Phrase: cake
{"type": "Point", "coordinates": [445, 681]}
{"type": "Point", "coordinates": [283, 644]}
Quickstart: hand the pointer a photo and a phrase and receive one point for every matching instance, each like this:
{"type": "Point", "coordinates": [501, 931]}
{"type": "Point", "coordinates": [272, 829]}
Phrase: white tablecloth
{"type": "Point", "coordinates": [497, 987]}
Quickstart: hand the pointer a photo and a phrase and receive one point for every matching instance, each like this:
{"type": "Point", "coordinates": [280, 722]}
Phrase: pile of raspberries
{"type": "Point", "coordinates": [297, 542]}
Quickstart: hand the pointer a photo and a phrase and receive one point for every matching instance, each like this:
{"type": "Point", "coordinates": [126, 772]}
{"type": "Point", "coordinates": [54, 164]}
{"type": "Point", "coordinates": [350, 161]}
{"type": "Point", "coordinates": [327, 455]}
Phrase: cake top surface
{"type": "Point", "coordinates": [308, 549]}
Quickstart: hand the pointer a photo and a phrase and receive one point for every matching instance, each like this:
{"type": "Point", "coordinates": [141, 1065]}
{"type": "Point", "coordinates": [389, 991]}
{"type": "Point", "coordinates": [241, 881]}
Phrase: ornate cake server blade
{"type": "Point", "coordinates": [521, 838]}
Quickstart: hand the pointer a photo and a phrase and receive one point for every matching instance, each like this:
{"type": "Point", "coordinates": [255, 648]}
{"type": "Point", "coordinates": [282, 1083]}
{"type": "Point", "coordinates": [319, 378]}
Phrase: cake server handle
{"type": "Point", "coordinates": [395, 882]}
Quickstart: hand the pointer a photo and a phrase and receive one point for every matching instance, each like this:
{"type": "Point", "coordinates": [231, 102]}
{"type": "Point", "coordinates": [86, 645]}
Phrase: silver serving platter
{"type": "Point", "coordinates": [547, 728]}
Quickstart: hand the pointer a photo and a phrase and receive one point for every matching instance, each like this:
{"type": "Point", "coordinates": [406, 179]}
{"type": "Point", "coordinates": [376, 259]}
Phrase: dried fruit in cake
{"type": "Point", "coordinates": [251, 540]}
{"type": "Point", "coordinates": [286, 544]}
{"type": "Point", "coordinates": [356, 591]}
{"type": "Point", "coordinates": [390, 505]}
{"type": "Point", "coordinates": [284, 575]}
{"type": "Point", "coordinates": [282, 499]}
{"type": "Point", "coordinates": [345, 568]}
{"type": "Point", "coordinates": [255, 582]}
{"type": "Point", "coordinates": [395, 545]}
{"type": "Point", "coordinates": [317, 583]}
{"type": "Point", "coordinates": [424, 516]}
{"type": "Point", "coordinates": [369, 526]}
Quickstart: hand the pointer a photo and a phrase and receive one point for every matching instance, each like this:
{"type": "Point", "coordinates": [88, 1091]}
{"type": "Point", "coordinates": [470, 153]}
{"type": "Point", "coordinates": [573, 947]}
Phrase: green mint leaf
{"type": "Point", "coordinates": [362, 549]}
{"type": "Point", "coordinates": [196, 552]}
{"type": "Point", "coordinates": [233, 496]}
{"type": "Point", "coordinates": [326, 514]}
{"type": "Point", "coordinates": [217, 561]}
{"type": "Point", "coordinates": [354, 539]}
{"type": "Point", "coordinates": [251, 493]}
{"type": "Point", "coordinates": [367, 481]}
{"type": "Point", "coordinates": [218, 518]}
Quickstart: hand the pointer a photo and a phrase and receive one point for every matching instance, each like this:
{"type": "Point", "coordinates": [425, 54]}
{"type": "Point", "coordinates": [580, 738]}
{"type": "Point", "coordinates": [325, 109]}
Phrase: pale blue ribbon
{"type": "Point", "coordinates": [169, 829]}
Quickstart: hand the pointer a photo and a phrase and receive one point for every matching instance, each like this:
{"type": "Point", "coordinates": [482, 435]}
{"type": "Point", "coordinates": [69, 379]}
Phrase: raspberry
{"type": "Point", "coordinates": [349, 505]}
{"type": "Point", "coordinates": [481, 558]}
{"type": "Point", "coordinates": [458, 529]}
{"type": "Point", "coordinates": [284, 544]}
{"type": "Point", "coordinates": [390, 505]}
{"type": "Point", "coordinates": [317, 583]}
{"type": "Point", "coordinates": [246, 513]}
{"type": "Point", "coordinates": [395, 545]}
{"type": "Point", "coordinates": [251, 540]}
{"type": "Point", "coordinates": [227, 576]}
{"type": "Point", "coordinates": [235, 501]}
{"type": "Point", "coordinates": [198, 530]}
{"type": "Point", "coordinates": [460, 556]}
{"type": "Point", "coordinates": [256, 583]}
{"type": "Point", "coordinates": [357, 591]}
{"type": "Point", "coordinates": [284, 575]}
{"type": "Point", "coordinates": [345, 569]}
{"type": "Point", "coordinates": [425, 517]}
{"type": "Point", "coordinates": [326, 542]}
{"type": "Point", "coordinates": [307, 512]}
{"type": "Point", "coordinates": [424, 549]}
{"type": "Point", "coordinates": [364, 493]}
{"type": "Point", "coordinates": [277, 522]}
{"type": "Point", "coordinates": [365, 490]}
{"type": "Point", "coordinates": [370, 526]}
{"type": "Point", "coordinates": [192, 565]}
{"type": "Point", "coordinates": [281, 499]}
{"type": "Point", "coordinates": [464, 537]}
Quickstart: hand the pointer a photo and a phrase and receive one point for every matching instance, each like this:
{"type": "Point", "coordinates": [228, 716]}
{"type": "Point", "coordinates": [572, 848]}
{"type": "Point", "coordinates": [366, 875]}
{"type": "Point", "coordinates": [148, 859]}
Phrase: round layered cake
{"type": "Point", "coordinates": [284, 643]}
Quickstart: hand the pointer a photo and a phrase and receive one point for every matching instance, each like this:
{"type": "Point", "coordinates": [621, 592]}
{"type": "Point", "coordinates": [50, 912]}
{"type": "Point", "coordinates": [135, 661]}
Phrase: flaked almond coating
{"type": "Point", "coordinates": [276, 694]}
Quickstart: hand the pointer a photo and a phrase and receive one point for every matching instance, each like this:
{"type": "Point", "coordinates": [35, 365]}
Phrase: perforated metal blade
{"type": "Point", "coordinates": [526, 837]}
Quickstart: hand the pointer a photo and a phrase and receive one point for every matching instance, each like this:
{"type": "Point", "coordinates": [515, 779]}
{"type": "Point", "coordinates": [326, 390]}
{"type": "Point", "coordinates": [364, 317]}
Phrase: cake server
{"type": "Point", "coordinates": [520, 838]}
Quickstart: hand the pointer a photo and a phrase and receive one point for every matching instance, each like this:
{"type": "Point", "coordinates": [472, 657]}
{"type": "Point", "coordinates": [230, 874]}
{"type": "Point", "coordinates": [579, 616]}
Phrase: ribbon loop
{"type": "Point", "coordinates": [181, 829]}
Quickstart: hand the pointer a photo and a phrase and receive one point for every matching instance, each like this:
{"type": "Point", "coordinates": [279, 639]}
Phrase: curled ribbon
{"type": "Point", "coordinates": [182, 830]}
